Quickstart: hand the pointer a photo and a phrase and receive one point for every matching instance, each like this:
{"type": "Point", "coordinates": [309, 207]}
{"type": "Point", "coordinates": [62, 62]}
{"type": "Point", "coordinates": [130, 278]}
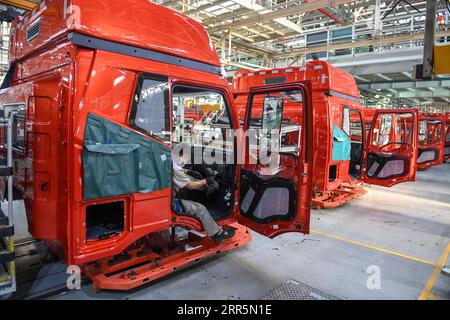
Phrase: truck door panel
{"type": "Point", "coordinates": [391, 151]}
{"type": "Point", "coordinates": [275, 181]}
{"type": "Point", "coordinates": [431, 140]}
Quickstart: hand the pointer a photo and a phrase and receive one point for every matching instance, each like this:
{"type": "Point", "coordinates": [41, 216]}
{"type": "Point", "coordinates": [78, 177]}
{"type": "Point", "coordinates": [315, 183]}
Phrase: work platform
{"type": "Point", "coordinates": [338, 197]}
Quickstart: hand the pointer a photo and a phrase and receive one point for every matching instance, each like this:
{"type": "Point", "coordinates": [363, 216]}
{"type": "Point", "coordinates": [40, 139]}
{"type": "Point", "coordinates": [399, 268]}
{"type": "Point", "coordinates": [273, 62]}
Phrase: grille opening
{"type": "Point", "coordinates": [33, 30]}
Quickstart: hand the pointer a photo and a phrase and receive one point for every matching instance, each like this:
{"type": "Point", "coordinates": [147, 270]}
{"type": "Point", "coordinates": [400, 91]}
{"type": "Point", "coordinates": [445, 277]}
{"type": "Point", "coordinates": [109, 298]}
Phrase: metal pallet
{"type": "Point", "coordinates": [7, 254]}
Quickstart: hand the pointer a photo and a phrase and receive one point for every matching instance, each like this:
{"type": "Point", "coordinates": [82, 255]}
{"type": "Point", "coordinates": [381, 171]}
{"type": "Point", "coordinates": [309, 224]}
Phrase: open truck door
{"type": "Point", "coordinates": [447, 138]}
{"type": "Point", "coordinates": [390, 155]}
{"type": "Point", "coordinates": [431, 140]}
{"type": "Point", "coordinates": [276, 174]}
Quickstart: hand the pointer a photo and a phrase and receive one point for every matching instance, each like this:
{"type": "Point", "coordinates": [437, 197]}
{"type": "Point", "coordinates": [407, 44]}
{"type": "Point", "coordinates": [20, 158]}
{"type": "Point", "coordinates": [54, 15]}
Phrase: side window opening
{"type": "Point", "coordinates": [391, 132]}
{"type": "Point", "coordinates": [346, 120]}
{"type": "Point", "coordinates": [436, 134]}
{"type": "Point", "coordinates": [276, 113]}
{"type": "Point", "coordinates": [201, 122]}
{"type": "Point", "coordinates": [150, 109]}
{"type": "Point", "coordinates": [199, 116]}
{"type": "Point", "coordinates": [423, 129]}
{"type": "Point", "coordinates": [383, 131]}
{"type": "Point", "coordinates": [357, 142]}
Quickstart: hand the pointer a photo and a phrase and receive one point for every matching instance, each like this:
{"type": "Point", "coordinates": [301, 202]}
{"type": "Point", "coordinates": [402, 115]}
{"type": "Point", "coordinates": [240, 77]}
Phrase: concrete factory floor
{"type": "Point", "coordinates": [403, 232]}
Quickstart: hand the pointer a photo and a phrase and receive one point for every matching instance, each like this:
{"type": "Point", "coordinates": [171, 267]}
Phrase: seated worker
{"type": "Point", "coordinates": [181, 179]}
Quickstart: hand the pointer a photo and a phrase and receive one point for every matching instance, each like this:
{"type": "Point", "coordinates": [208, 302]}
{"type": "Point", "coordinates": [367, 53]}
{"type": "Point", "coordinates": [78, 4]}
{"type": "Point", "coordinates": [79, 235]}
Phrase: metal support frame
{"type": "Point", "coordinates": [430, 29]}
{"type": "Point", "coordinates": [396, 4]}
{"type": "Point", "coordinates": [384, 40]}
{"type": "Point", "coordinates": [258, 18]}
{"type": "Point", "coordinates": [8, 280]}
{"type": "Point", "coordinates": [377, 19]}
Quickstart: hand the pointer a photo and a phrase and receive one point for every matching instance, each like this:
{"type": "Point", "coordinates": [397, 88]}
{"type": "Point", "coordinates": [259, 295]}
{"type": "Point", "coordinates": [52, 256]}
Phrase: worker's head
{"type": "Point", "coordinates": [181, 154]}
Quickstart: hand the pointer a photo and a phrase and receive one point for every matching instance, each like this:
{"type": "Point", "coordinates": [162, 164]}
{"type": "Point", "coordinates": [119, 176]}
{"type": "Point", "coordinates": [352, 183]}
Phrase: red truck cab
{"type": "Point", "coordinates": [98, 102]}
{"type": "Point", "coordinates": [344, 156]}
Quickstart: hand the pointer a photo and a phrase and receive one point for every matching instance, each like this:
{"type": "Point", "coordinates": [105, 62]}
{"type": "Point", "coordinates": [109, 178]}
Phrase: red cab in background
{"type": "Point", "coordinates": [432, 140]}
{"type": "Point", "coordinates": [98, 102]}
{"type": "Point", "coordinates": [344, 154]}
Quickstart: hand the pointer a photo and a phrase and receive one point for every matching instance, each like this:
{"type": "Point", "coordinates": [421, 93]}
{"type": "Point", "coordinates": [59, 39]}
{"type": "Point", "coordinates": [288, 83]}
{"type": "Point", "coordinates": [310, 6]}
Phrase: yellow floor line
{"type": "Point", "coordinates": [371, 247]}
{"type": "Point", "coordinates": [426, 292]}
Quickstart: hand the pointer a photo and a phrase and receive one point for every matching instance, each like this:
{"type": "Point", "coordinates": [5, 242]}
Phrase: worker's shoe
{"type": "Point", "coordinates": [226, 233]}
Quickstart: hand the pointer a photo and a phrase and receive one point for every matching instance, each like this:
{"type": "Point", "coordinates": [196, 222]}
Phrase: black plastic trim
{"type": "Point", "coordinates": [382, 160]}
{"type": "Point", "coordinates": [342, 95]}
{"type": "Point", "coordinates": [133, 51]}
{"type": "Point", "coordinates": [250, 179]}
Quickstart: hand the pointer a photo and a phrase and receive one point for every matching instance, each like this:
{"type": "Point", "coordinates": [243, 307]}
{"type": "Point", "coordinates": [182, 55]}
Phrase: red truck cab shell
{"type": "Point", "coordinates": [85, 60]}
{"type": "Point", "coordinates": [332, 88]}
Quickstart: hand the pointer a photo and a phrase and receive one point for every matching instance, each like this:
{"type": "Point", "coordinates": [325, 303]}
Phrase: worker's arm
{"type": "Point", "coordinates": [196, 185]}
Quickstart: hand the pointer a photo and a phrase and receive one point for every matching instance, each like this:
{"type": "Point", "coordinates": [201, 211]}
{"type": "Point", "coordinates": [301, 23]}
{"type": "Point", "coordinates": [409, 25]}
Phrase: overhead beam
{"type": "Point", "coordinates": [263, 10]}
{"type": "Point", "coordinates": [438, 93]}
{"type": "Point", "coordinates": [205, 6]}
{"type": "Point", "coordinates": [330, 15]}
{"type": "Point", "coordinates": [293, 10]}
{"type": "Point", "coordinates": [21, 4]}
{"type": "Point", "coordinates": [218, 42]}
{"type": "Point", "coordinates": [315, 30]}
{"type": "Point", "coordinates": [243, 45]}
{"type": "Point", "coordinates": [405, 85]}
{"type": "Point", "coordinates": [363, 43]}
{"type": "Point", "coordinates": [361, 78]}
{"type": "Point", "coordinates": [226, 16]}
{"type": "Point", "coordinates": [242, 65]}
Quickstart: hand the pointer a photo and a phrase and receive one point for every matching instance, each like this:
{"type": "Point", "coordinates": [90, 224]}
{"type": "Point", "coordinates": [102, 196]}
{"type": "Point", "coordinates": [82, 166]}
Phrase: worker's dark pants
{"type": "Point", "coordinates": [200, 212]}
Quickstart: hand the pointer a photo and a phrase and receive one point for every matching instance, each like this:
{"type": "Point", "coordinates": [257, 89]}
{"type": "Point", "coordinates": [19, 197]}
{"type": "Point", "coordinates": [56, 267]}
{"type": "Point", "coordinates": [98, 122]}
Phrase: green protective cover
{"type": "Point", "coordinates": [118, 161]}
{"type": "Point", "coordinates": [341, 145]}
